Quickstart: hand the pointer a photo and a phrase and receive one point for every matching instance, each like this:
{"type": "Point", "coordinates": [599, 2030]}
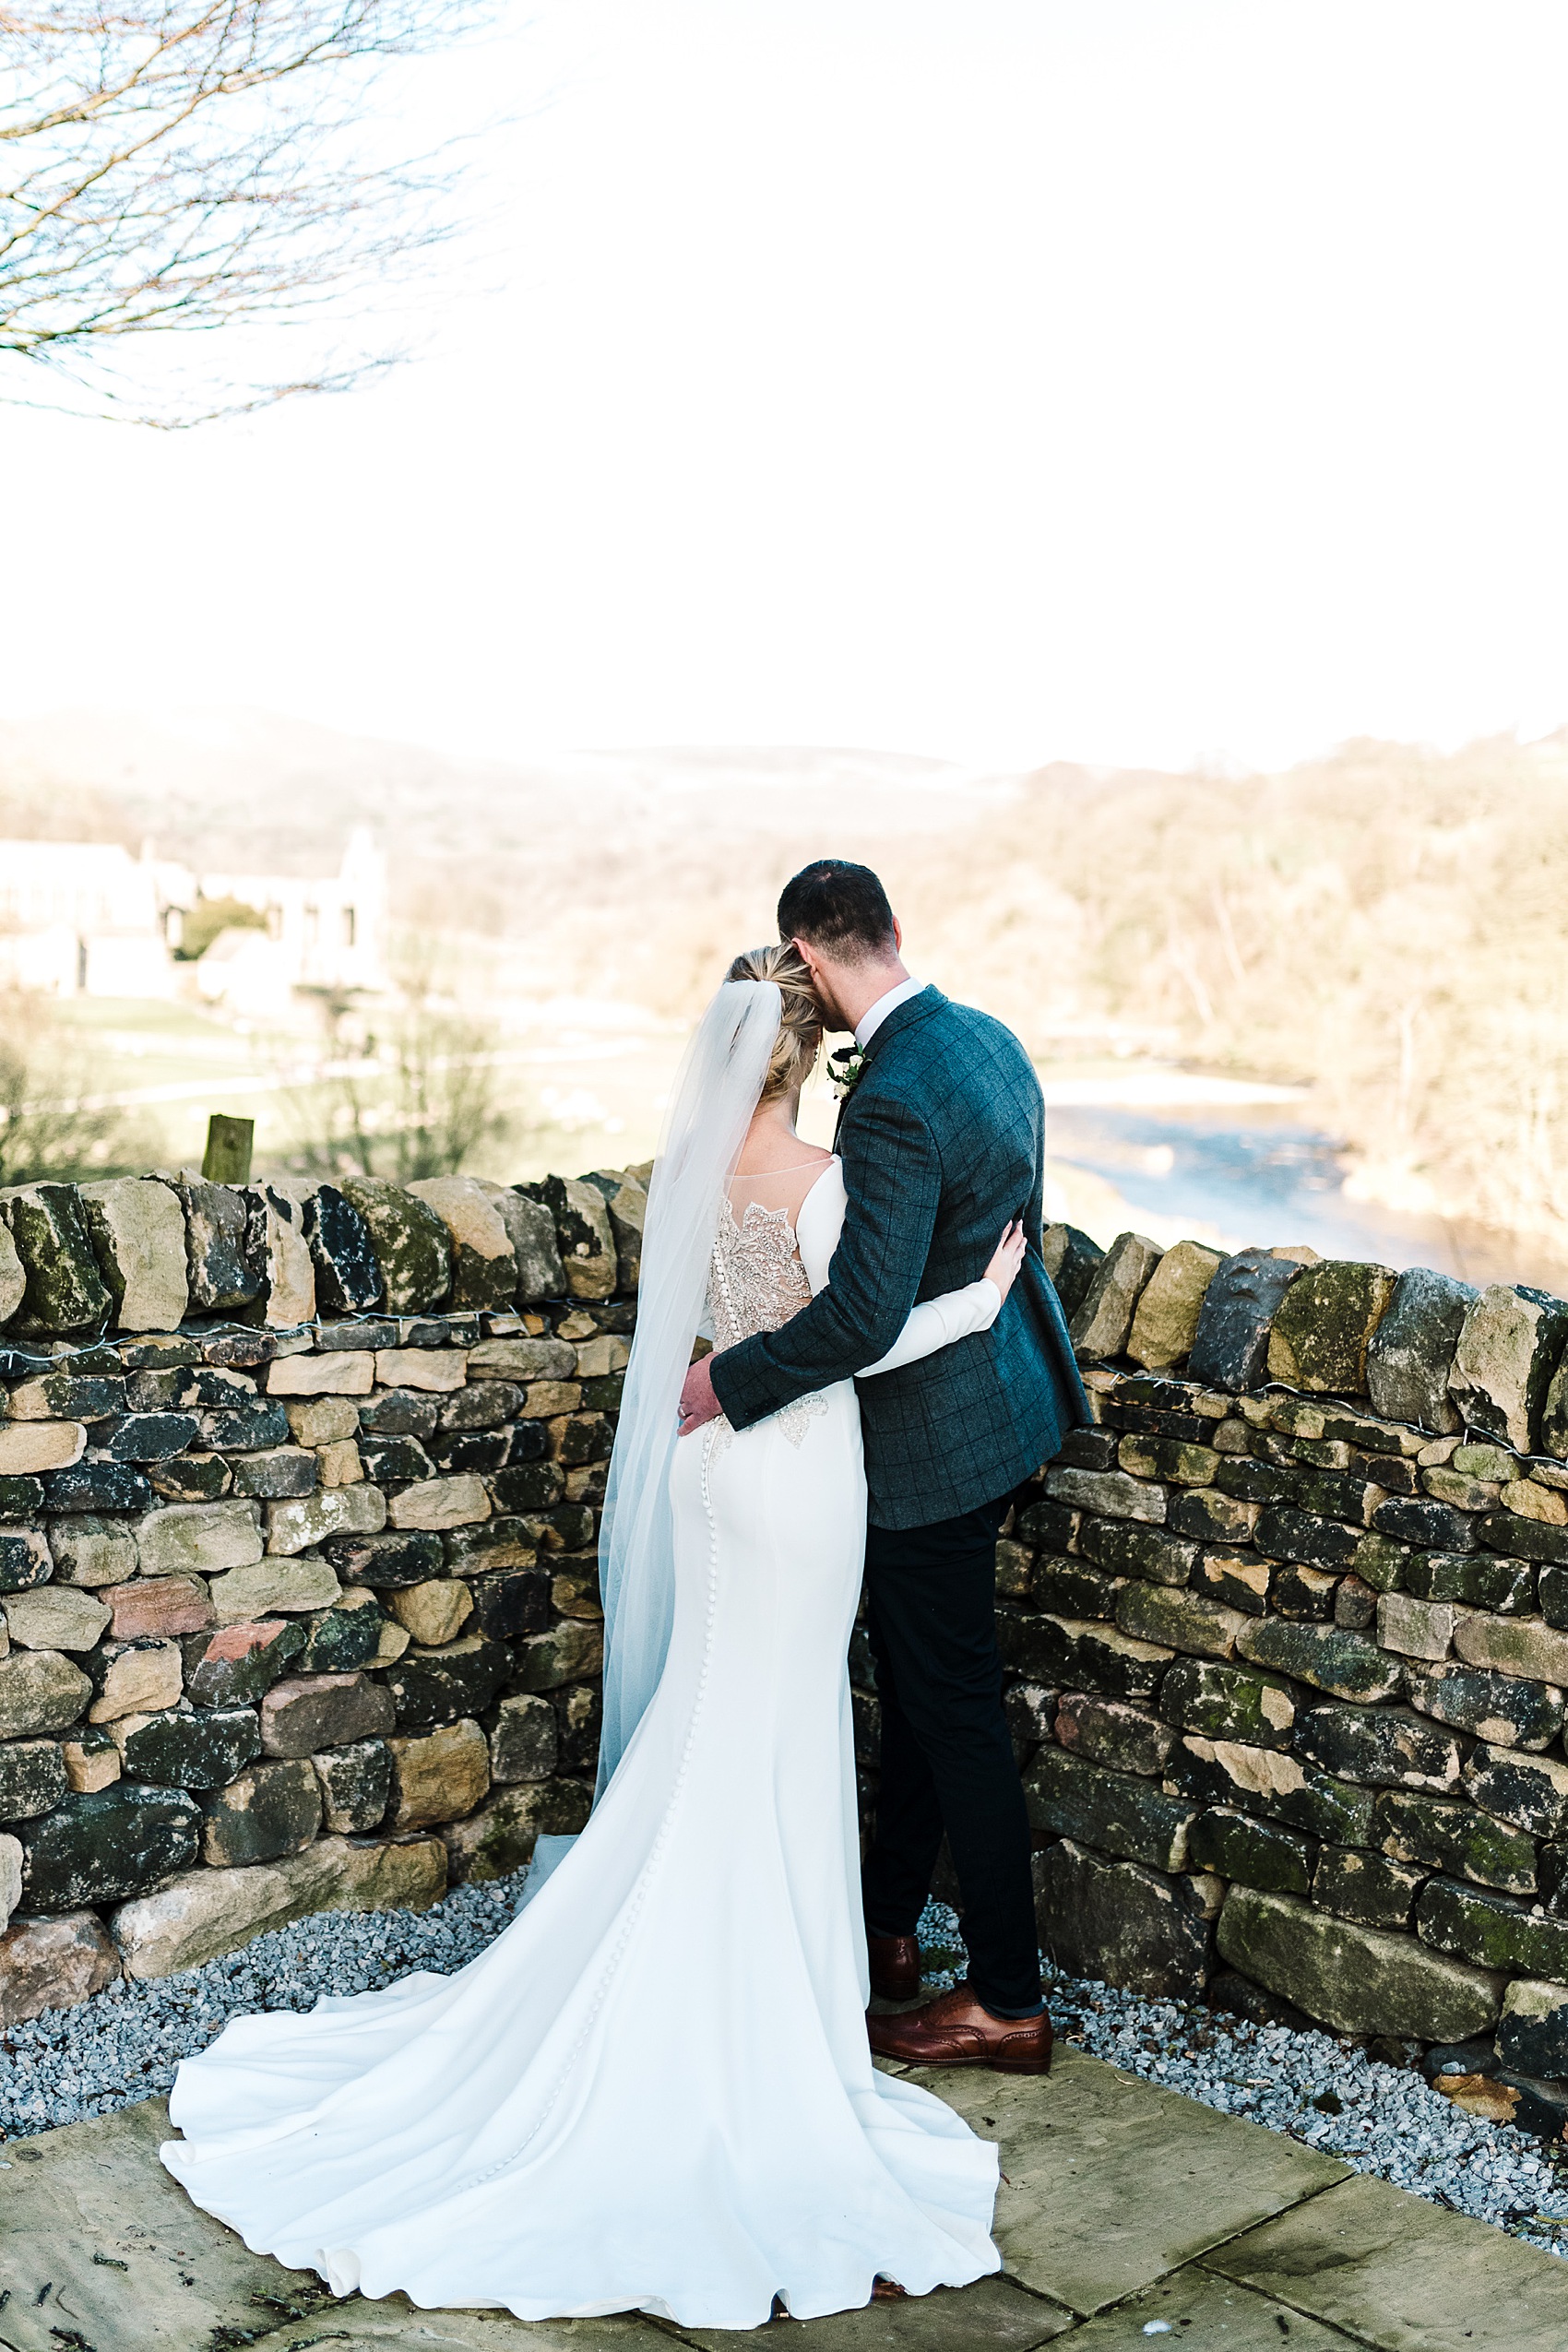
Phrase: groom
{"type": "Point", "coordinates": [941, 1137]}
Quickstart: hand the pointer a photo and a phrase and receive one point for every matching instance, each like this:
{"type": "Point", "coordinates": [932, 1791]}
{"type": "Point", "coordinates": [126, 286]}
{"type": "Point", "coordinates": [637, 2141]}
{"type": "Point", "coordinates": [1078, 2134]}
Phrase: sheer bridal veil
{"type": "Point", "coordinates": [717, 1090]}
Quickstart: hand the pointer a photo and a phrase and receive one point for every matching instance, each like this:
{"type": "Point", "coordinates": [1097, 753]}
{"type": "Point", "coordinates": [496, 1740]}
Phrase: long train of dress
{"type": "Point", "coordinates": [654, 2090]}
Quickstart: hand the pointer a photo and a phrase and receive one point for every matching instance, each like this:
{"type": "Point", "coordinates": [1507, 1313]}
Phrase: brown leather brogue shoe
{"type": "Point", "coordinates": [955, 2030]}
{"type": "Point", "coordinates": [895, 1967]}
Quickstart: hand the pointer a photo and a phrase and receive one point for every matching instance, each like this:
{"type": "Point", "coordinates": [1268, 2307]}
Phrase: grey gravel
{"type": "Point", "coordinates": [124, 2044]}
{"type": "Point", "coordinates": [1388, 2121]}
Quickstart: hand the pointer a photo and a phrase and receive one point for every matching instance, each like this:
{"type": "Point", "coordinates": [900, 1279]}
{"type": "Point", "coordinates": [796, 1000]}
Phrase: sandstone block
{"type": "Point", "coordinates": [336, 1372]}
{"type": "Point", "coordinates": [523, 1743]}
{"type": "Point", "coordinates": [1356, 1980]}
{"type": "Point", "coordinates": [1103, 1322]}
{"type": "Point", "coordinates": [1529, 1791]}
{"type": "Point", "coordinates": [1415, 1627]}
{"type": "Point", "coordinates": [1325, 1323]}
{"type": "Point", "coordinates": [438, 1777]}
{"type": "Point", "coordinates": [28, 1448]}
{"type": "Point", "coordinates": [273, 1809]}
{"type": "Point", "coordinates": [90, 1758]}
{"type": "Point", "coordinates": [434, 1612]}
{"type": "Point", "coordinates": [134, 1678]}
{"type": "Point", "coordinates": [338, 1464]}
{"type": "Point", "coordinates": [1345, 1665]}
{"type": "Point", "coordinates": [387, 1560]}
{"type": "Point", "coordinates": [548, 1399]}
{"type": "Point", "coordinates": [1456, 1838]}
{"type": "Point", "coordinates": [1254, 1853]}
{"type": "Point", "coordinates": [530, 1228]}
{"type": "Point", "coordinates": [522, 1360]}
{"type": "Point", "coordinates": [567, 1653]}
{"type": "Point", "coordinates": [52, 1963]}
{"type": "Point", "coordinates": [1366, 1888]}
{"type": "Point", "coordinates": [1509, 1346]}
{"type": "Point", "coordinates": [1111, 1493]}
{"type": "Point", "coordinates": [221, 1271]}
{"type": "Point", "coordinates": [339, 1511]}
{"type": "Point", "coordinates": [1188, 1622]}
{"type": "Point", "coordinates": [63, 1289]}
{"type": "Point", "coordinates": [1554, 1411]}
{"type": "Point", "coordinates": [1521, 1646]}
{"type": "Point", "coordinates": [199, 1538]}
{"type": "Point", "coordinates": [1229, 1347]}
{"type": "Point", "coordinates": [1129, 1925]}
{"type": "Point", "coordinates": [583, 1231]}
{"type": "Point", "coordinates": [435, 1371]}
{"type": "Point", "coordinates": [413, 1247]}
{"type": "Point", "coordinates": [355, 1783]}
{"type": "Point", "coordinates": [501, 1836]}
{"type": "Point", "coordinates": [1532, 2033]}
{"type": "Point", "coordinates": [10, 1880]}
{"type": "Point", "coordinates": [214, 1911]}
{"type": "Point", "coordinates": [99, 1848]}
{"type": "Point", "coordinates": [441, 1502]}
{"type": "Point", "coordinates": [283, 1472]}
{"type": "Point", "coordinates": [348, 1278]}
{"type": "Point", "coordinates": [1074, 1652]}
{"type": "Point", "coordinates": [484, 1265]}
{"type": "Point", "coordinates": [1382, 1747]}
{"type": "Point", "coordinates": [281, 1585]}
{"type": "Point", "coordinates": [13, 1279]}
{"type": "Point", "coordinates": [276, 1240]}
{"type": "Point", "coordinates": [308, 1712]}
{"type": "Point", "coordinates": [138, 1236]}
{"type": "Point", "coordinates": [433, 1687]}
{"type": "Point", "coordinates": [32, 1779]}
{"type": "Point", "coordinates": [25, 1561]}
{"type": "Point", "coordinates": [93, 1551]}
{"type": "Point", "coordinates": [239, 1662]}
{"type": "Point", "coordinates": [54, 1617]}
{"type": "Point", "coordinates": [1410, 1357]}
{"type": "Point", "coordinates": [39, 1692]}
{"type": "Point", "coordinates": [321, 1420]}
{"type": "Point", "coordinates": [1115, 1812]}
{"type": "Point", "coordinates": [1527, 1499]}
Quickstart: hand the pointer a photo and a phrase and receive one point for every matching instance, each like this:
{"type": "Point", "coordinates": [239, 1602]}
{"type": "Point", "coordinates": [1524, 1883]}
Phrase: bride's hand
{"type": "Point", "coordinates": [1003, 1267]}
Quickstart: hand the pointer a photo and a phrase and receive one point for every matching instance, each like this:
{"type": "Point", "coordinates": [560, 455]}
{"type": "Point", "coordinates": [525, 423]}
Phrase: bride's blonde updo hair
{"type": "Point", "coordinates": [800, 1020]}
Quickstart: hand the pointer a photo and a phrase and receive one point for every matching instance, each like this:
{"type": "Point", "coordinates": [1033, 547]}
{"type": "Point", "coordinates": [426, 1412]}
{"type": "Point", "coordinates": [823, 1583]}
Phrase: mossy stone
{"type": "Point", "coordinates": [1323, 1325]}
{"type": "Point", "coordinates": [204, 1749]}
{"type": "Point", "coordinates": [66, 1290]}
{"type": "Point", "coordinates": [413, 1249]}
{"type": "Point", "coordinates": [108, 1844]}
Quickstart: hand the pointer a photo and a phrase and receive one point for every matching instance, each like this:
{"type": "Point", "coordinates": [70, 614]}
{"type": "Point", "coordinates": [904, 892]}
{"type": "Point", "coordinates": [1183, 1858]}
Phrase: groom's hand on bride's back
{"type": "Point", "coordinates": [698, 1403]}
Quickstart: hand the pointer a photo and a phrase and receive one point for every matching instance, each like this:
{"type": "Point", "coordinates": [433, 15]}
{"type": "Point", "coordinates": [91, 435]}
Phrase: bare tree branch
{"type": "Point", "coordinates": [168, 170]}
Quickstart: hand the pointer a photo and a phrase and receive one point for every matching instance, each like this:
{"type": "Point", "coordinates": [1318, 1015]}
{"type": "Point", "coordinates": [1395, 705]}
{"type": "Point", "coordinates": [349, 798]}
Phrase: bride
{"type": "Point", "coordinates": [654, 2090]}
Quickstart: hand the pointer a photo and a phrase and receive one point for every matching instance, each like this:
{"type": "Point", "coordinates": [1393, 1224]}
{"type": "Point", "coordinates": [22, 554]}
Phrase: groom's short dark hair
{"type": "Point", "coordinates": [838, 907]}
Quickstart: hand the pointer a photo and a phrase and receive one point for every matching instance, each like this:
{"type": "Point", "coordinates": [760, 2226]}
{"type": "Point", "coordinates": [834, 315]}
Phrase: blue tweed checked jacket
{"type": "Point", "coordinates": [942, 1141]}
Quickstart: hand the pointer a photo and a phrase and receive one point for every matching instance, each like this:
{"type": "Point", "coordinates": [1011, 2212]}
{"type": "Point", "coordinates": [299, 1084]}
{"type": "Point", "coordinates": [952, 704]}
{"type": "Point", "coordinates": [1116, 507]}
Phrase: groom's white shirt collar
{"type": "Point", "coordinates": [873, 1018]}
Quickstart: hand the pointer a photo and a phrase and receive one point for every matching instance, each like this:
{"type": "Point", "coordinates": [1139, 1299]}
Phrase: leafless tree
{"type": "Point", "coordinates": [419, 1099]}
{"type": "Point", "coordinates": [50, 1125]}
{"type": "Point", "coordinates": [171, 167]}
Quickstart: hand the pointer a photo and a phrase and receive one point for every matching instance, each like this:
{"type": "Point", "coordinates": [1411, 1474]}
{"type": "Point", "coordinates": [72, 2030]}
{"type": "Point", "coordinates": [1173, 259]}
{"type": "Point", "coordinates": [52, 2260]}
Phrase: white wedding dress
{"type": "Point", "coordinates": [653, 2091]}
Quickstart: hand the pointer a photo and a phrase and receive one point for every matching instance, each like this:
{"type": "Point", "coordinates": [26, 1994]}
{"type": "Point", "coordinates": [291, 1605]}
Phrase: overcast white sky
{"type": "Point", "coordinates": [997, 379]}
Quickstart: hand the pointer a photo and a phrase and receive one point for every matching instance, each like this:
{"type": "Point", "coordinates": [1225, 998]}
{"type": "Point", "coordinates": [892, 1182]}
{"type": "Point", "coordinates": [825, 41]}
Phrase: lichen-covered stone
{"type": "Point", "coordinates": [13, 1276]}
{"type": "Point", "coordinates": [1325, 1323]}
{"type": "Point", "coordinates": [1228, 1703]}
{"type": "Point", "coordinates": [138, 1236]}
{"type": "Point", "coordinates": [283, 1472]}
{"type": "Point", "coordinates": [1119, 1921]}
{"type": "Point", "coordinates": [1112, 1493]}
{"type": "Point", "coordinates": [1382, 1747]}
{"type": "Point", "coordinates": [439, 1777]}
{"type": "Point", "coordinates": [64, 1292]}
{"type": "Point", "coordinates": [582, 1232]}
{"type": "Point", "coordinates": [191, 1538]}
{"type": "Point", "coordinates": [271, 1811]}
{"type": "Point", "coordinates": [54, 1963]}
{"type": "Point", "coordinates": [1509, 1346]}
{"type": "Point", "coordinates": [521, 1361]}
{"type": "Point", "coordinates": [277, 1585]}
{"type": "Point", "coordinates": [385, 1561]}
{"type": "Point", "coordinates": [25, 1559]}
{"type": "Point", "coordinates": [501, 1836]}
{"type": "Point", "coordinates": [1537, 1540]}
{"type": "Point", "coordinates": [1455, 1837]}
{"type": "Point", "coordinates": [523, 1741]}
{"type": "Point", "coordinates": [96, 1486]}
{"type": "Point", "coordinates": [1229, 1347]}
{"type": "Point", "coordinates": [413, 1249]}
{"type": "Point", "coordinates": [1252, 1852]}
{"type": "Point", "coordinates": [1278, 1787]}
{"type": "Point", "coordinates": [355, 1783]}
{"type": "Point", "coordinates": [433, 1687]}
{"type": "Point", "coordinates": [1187, 1621]}
{"type": "Point", "coordinates": [1491, 1931]}
{"type": "Point", "coordinates": [30, 1449]}
{"type": "Point", "coordinates": [530, 1228]}
{"type": "Point", "coordinates": [309, 1712]}
{"type": "Point", "coordinates": [436, 1503]}
{"type": "Point", "coordinates": [1415, 1627]}
{"type": "Point", "coordinates": [1500, 1707]}
{"type": "Point", "coordinates": [343, 1638]}
{"type": "Point", "coordinates": [276, 1240]}
{"type": "Point", "coordinates": [511, 1603]}
{"type": "Point", "coordinates": [1358, 1980]}
{"type": "Point", "coordinates": [111, 1843]}
{"type": "Point", "coordinates": [348, 1276]}
{"type": "Point", "coordinates": [214, 1911]}
{"type": "Point", "coordinates": [1068, 1589]}
{"type": "Point", "coordinates": [190, 1478]}
{"type": "Point", "coordinates": [1410, 1358]}
{"type": "Point", "coordinates": [32, 1779]}
{"type": "Point", "coordinates": [1071, 1260]}
{"type": "Point", "coordinates": [293, 1526]}
{"type": "Point", "coordinates": [1165, 1322]}
{"type": "Point", "coordinates": [1532, 2033]}
{"type": "Point", "coordinates": [39, 1692]}
{"type": "Point", "coordinates": [1345, 1665]}
{"type": "Point", "coordinates": [1367, 1888]}
{"type": "Point", "coordinates": [239, 1662]}
{"type": "Point", "coordinates": [219, 1269]}
{"type": "Point", "coordinates": [566, 1653]}
{"type": "Point", "coordinates": [54, 1617]}
{"type": "Point", "coordinates": [1074, 1653]}
{"type": "Point", "coordinates": [1522, 1645]}
{"type": "Point", "coordinates": [1475, 1580]}
{"type": "Point", "coordinates": [1106, 1731]}
{"type": "Point", "coordinates": [484, 1264]}
{"type": "Point", "coordinates": [1116, 1813]}
{"type": "Point", "coordinates": [147, 1437]}
{"type": "Point", "coordinates": [1529, 1791]}
{"type": "Point", "coordinates": [1284, 1533]}
{"type": "Point", "coordinates": [1103, 1321]}
{"type": "Point", "coordinates": [182, 1748]}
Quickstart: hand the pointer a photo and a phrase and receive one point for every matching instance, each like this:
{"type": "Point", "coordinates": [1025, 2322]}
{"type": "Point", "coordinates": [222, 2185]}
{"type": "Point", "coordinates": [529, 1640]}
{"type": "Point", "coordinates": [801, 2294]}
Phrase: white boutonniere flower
{"type": "Point", "coordinates": [844, 1067]}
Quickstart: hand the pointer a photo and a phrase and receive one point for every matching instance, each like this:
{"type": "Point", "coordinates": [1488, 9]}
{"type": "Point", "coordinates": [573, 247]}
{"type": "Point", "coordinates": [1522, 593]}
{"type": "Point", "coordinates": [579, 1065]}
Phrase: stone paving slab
{"type": "Point", "coordinates": [1108, 2183]}
{"type": "Point", "coordinates": [1404, 2276]}
{"type": "Point", "coordinates": [1207, 2314]}
{"type": "Point", "coordinates": [992, 2316]}
{"type": "Point", "coordinates": [394, 2324]}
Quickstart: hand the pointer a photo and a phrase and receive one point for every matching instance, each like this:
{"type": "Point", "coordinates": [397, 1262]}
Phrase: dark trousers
{"type": "Point", "coordinates": [946, 1755]}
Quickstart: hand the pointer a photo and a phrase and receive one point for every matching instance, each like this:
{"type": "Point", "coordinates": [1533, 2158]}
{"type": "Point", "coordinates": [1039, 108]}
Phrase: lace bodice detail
{"type": "Point", "coordinates": [755, 1282]}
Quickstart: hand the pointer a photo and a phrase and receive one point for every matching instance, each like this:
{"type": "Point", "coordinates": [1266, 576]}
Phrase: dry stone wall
{"type": "Point", "coordinates": [1286, 1638]}
{"type": "Point", "coordinates": [299, 1497]}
